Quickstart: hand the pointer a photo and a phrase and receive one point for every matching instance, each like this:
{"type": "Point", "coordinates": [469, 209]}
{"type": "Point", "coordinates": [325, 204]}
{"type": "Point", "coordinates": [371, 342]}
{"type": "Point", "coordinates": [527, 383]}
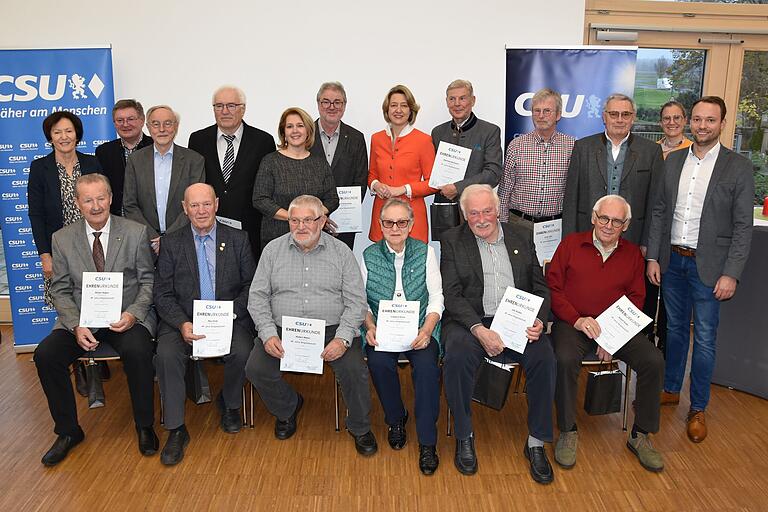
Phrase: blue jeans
{"type": "Point", "coordinates": [684, 292]}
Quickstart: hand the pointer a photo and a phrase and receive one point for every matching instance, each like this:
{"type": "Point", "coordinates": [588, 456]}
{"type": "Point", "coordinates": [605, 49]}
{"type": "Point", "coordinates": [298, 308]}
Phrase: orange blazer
{"type": "Point", "coordinates": [409, 163]}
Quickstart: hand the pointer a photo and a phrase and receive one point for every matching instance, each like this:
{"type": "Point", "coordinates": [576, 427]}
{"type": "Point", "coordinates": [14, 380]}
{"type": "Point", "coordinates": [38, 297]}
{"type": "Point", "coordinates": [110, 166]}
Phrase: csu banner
{"type": "Point", "coordinates": [584, 76]}
{"type": "Point", "coordinates": [34, 84]}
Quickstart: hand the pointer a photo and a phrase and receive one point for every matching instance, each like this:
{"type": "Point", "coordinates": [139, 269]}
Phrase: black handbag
{"type": "Point", "coordinates": [492, 384]}
{"type": "Point", "coordinates": [198, 389]}
{"type": "Point", "coordinates": [443, 216]}
{"type": "Point", "coordinates": [603, 395]}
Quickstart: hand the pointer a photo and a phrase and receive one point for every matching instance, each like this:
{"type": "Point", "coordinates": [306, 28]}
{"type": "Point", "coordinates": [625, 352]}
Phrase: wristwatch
{"type": "Point", "coordinates": [344, 342]}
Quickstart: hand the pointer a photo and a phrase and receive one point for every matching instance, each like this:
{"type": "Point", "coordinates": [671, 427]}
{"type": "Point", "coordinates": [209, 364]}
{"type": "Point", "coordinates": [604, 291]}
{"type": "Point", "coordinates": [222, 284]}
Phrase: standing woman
{"type": "Point", "coordinates": [289, 172]}
{"type": "Point", "coordinates": [673, 121]}
{"type": "Point", "coordinates": [402, 268]}
{"type": "Point", "coordinates": [401, 162]}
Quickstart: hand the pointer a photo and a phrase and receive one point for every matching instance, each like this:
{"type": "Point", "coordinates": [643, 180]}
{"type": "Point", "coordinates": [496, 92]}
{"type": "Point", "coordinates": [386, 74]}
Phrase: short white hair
{"type": "Point", "coordinates": [477, 188]}
{"type": "Point", "coordinates": [307, 201]}
{"type": "Point", "coordinates": [613, 197]}
{"type": "Point", "coordinates": [238, 91]}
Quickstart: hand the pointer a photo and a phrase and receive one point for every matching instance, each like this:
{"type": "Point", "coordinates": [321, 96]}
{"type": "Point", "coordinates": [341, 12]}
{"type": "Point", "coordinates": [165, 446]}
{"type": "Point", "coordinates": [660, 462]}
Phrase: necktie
{"type": "Point", "coordinates": [229, 158]}
{"type": "Point", "coordinates": [98, 252]}
{"type": "Point", "coordinates": [203, 270]}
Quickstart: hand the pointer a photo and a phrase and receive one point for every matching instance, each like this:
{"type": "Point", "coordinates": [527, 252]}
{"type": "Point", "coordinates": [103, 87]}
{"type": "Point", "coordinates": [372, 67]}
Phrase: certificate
{"type": "Point", "coordinates": [397, 325]}
{"type": "Point", "coordinates": [349, 215]}
{"type": "Point", "coordinates": [303, 341]}
{"type": "Point", "coordinates": [102, 299]}
{"type": "Point", "coordinates": [546, 237]}
{"type": "Point", "coordinates": [230, 222]}
{"type": "Point", "coordinates": [450, 164]}
{"type": "Point", "coordinates": [213, 319]}
{"type": "Point", "coordinates": [619, 324]}
{"type": "Point", "coordinates": [516, 313]}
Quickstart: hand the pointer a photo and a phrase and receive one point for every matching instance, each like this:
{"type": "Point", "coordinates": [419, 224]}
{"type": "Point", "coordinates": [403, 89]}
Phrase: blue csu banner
{"type": "Point", "coordinates": [584, 76]}
{"type": "Point", "coordinates": [34, 84]}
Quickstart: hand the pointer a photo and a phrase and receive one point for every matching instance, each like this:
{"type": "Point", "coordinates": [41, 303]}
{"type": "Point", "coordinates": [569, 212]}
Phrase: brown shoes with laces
{"type": "Point", "coordinates": [697, 428]}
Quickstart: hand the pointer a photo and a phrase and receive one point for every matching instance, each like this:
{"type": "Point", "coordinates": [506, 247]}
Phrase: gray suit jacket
{"type": "Point", "coordinates": [725, 229]}
{"type": "Point", "coordinates": [127, 252]}
{"type": "Point", "coordinates": [139, 198]}
{"type": "Point", "coordinates": [588, 181]}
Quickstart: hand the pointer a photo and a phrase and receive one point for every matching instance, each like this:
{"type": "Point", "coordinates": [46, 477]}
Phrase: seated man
{"type": "Point", "coordinates": [206, 261]}
{"type": "Point", "coordinates": [310, 274]}
{"type": "Point", "coordinates": [99, 242]}
{"type": "Point", "coordinates": [589, 272]}
{"type": "Point", "coordinates": [479, 260]}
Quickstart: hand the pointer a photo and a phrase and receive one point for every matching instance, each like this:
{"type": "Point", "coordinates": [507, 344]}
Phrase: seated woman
{"type": "Point", "coordinates": [402, 268]}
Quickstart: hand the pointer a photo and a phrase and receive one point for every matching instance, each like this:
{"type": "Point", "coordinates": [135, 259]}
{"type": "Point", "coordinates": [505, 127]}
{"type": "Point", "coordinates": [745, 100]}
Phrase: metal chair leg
{"type": "Point", "coordinates": [626, 398]}
{"type": "Point", "coordinates": [519, 370]}
{"type": "Point", "coordinates": [336, 402]}
{"type": "Point", "coordinates": [250, 393]}
{"type": "Point", "coordinates": [245, 410]}
{"type": "Point", "coordinates": [448, 421]}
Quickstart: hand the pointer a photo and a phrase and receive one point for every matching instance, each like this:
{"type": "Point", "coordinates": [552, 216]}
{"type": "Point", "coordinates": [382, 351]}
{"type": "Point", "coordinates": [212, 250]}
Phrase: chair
{"type": "Point", "coordinates": [247, 407]}
{"type": "Point", "coordinates": [103, 352]}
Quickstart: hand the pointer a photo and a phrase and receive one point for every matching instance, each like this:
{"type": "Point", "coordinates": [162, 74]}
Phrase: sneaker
{"type": "Point", "coordinates": [649, 458]}
{"type": "Point", "coordinates": [565, 449]}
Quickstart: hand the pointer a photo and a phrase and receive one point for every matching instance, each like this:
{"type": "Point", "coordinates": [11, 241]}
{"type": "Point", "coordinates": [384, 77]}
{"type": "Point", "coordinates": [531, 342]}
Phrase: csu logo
{"type": "Point", "coordinates": [19, 183]}
{"type": "Point", "coordinates": [19, 266]}
{"type": "Point", "coordinates": [35, 298]}
{"type": "Point", "coordinates": [47, 309]}
{"type": "Point", "coordinates": [28, 146]}
{"type": "Point", "coordinates": [33, 276]}
{"type": "Point", "coordinates": [99, 142]}
{"type": "Point", "coordinates": [14, 220]}
{"type": "Point", "coordinates": [47, 87]}
{"type": "Point", "coordinates": [29, 254]}
{"type": "Point", "coordinates": [21, 207]}
{"type": "Point", "coordinates": [568, 112]}
{"type": "Point", "coordinates": [25, 311]}
{"type": "Point", "coordinates": [7, 172]}
{"type": "Point", "coordinates": [25, 231]}
{"type": "Point", "coordinates": [17, 243]}
{"type": "Point", "coordinates": [6, 147]}
{"type": "Point", "coordinates": [23, 288]}
{"type": "Point", "coordinates": [39, 320]}
{"type": "Point", "coordinates": [17, 158]}
{"type": "Point", "coordinates": [9, 196]}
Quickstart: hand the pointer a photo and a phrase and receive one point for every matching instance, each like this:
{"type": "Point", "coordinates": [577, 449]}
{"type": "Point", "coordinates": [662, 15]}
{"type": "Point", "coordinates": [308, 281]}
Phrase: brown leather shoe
{"type": "Point", "coordinates": [697, 428]}
{"type": "Point", "coordinates": [669, 398]}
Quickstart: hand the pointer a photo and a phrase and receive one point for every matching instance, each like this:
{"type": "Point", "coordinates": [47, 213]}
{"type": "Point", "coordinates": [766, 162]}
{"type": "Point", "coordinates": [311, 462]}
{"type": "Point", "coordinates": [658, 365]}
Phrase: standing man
{"type": "Point", "coordinates": [99, 242]}
{"type": "Point", "coordinates": [342, 146]}
{"type": "Point", "coordinates": [466, 130]}
{"type": "Point", "coordinates": [128, 117]}
{"type": "Point", "coordinates": [536, 166]}
{"type": "Point", "coordinates": [614, 162]}
{"type": "Point", "coordinates": [205, 261]}
{"type": "Point", "coordinates": [157, 176]}
{"type": "Point", "coordinates": [701, 233]}
{"type": "Point", "coordinates": [233, 151]}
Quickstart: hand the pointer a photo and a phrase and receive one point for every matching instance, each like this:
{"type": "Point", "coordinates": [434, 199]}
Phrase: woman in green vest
{"type": "Point", "coordinates": [403, 284]}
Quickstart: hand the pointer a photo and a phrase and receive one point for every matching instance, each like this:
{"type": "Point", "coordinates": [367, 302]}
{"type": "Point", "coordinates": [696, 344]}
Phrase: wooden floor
{"type": "Point", "coordinates": [319, 469]}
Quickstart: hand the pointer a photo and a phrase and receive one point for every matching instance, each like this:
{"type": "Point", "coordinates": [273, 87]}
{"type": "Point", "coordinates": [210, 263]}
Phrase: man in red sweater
{"type": "Point", "coordinates": [588, 273]}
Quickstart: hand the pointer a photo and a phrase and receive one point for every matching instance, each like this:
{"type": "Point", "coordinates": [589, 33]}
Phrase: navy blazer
{"type": "Point", "coordinates": [44, 197]}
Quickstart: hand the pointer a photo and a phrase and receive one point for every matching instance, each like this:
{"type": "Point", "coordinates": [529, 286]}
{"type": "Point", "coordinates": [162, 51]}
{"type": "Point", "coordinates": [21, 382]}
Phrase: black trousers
{"type": "Point", "coordinates": [59, 349]}
{"type": "Point", "coordinates": [571, 345]}
{"type": "Point", "coordinates": [463, 356]}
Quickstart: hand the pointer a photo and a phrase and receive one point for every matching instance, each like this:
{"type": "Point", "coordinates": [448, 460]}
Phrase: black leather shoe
{"type": "Point", "coordinates": [428, 460]}
{"type": "Point", "coordinates": [148, 441]}
{"type": "Point", "coordinates": [466, 459]}
{"type": "Point", "coordinates": [104, 370]}
{"type": "Point", "coordinates": [396, 435]}
{"type": "Point", "coordinates": [60, 449]}
{"type": "Point", "coordinates": [285, 429]}
{"type": "Point", "coordinates": [231, 420]}
{"type": "Point", "coordinates": [541, 469]}
{"type": "Point", "coordinates": [173, 451]}
{"type": "Point", "coordinates": [365, 444]}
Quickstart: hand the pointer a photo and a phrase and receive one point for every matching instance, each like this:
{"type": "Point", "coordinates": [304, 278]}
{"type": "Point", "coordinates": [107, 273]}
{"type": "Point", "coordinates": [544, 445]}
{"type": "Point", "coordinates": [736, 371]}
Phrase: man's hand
{"type": "Point", "coordinates": [725, 287]}
{"type": "Point", "coordinates": [187, 334]}
{"type": "Point", "coordinates": [588, 326]}
{"type": "Point", "coordinates": [85, 339]}
{"type": "Point", "coordinates": [47, 261]}
{"type": "Point", "coordinates": [603, 355]}
{"type": "Point", "coordinates": [126, 322]}
{"type": "Point", "coordinates": [534, 333]}
{"type": "Point", "coordinates": [490, 340]}
{"type": "Point", "coordinates": [449, 191]}
{"type": "Point", "coordinates": [653, 272]}
{"type": "Point", "coordinates": [330, 226]}
{"type": "Point", "coordinates": [334, 350]}
{"type": "Point", "coordinates": [370, 336]}
{"type": "Point", "coordinates": [274, 347]}
{"type": "Point", "coordinates": [422, 340]}
{"type": "Point", "coordinates": [155, 244]}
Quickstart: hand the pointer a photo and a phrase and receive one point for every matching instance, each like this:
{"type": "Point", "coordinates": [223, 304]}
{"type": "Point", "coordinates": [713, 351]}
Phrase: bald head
{"type": "Point", "coordinates": [200, 205]}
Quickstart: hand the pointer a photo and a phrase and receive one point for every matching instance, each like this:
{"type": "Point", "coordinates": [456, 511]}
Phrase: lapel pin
{"type": "Point", "coordinates": [118, 238]}
{"type": "Point", "coordinates": [221, 247]}
{"type": "Point", "coordinates": [515, 251]}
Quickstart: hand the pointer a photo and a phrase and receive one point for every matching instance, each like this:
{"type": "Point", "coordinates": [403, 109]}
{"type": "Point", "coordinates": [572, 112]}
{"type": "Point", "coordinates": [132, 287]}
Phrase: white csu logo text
{"type": "Point", "coordinates": [29, 87]}
{"type": "Point", "coordinates": [574, 111]}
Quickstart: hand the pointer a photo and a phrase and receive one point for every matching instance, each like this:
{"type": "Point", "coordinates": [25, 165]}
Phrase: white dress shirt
{"type": "Point", "coordinates": [221, 143]}
{"type": "Point", "coordinates": [103, 238]}
{"type": "Point", "coordinates": [691, 191]}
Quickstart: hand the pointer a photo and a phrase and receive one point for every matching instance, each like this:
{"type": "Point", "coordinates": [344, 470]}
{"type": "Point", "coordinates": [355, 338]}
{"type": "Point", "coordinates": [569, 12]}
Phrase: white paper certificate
{"type": "Point", "coordinates": [102, 299]}
{"type": "Point", "coordinates": [517, 312]}
{"type": "Point", "coordinates": [349, 215]}
{"type": "Point", "coordinates": [397, 325]}
{"type": "Point", "coordinates": [619, 324]}
{"type": "Point", "coordinates": [450, 164]}
{"type": "Point", "coordinates": [546, 237]}
{"type": "Point", "coordinates": [213, 319]}
{"type": "Point", "coordinates": [303, 342]}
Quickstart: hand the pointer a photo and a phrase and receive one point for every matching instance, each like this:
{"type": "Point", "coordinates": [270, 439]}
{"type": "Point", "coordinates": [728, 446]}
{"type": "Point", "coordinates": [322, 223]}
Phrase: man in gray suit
{"type": "Point", "coordinates": [157, 176]}
{"type": "Point", "coordinates": [205, 261]}
{"type": "Point", "coordinates": [99, 243]}
{"type": "Point", "coordinates": [614, 162]}
{"type": "Point", "coordinates": [701, 231]}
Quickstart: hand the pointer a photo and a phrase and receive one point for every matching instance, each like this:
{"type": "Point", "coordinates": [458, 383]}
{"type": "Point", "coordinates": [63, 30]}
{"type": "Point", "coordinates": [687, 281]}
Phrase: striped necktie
{"type": "Point", "coordinates": [229, 158]}
{"type": "Point", "coordinates": [98, 252]}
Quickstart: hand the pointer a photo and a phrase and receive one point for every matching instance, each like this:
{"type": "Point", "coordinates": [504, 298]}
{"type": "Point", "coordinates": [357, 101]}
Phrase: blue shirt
{"type": "Point", "coordinates": [210, 250]}
{"type": "Point", "coordinates": [163, 167]}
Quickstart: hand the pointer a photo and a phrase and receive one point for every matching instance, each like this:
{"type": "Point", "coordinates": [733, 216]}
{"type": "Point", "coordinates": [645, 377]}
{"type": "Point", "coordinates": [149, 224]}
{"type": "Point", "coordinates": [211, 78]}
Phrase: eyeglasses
{"type": "Point", "coordinates": [308, 221]}
{"type": "Point", "coordinates": [546, 112]}
{"type": "Point", "coordinates": [389, 224]}
{"type": "Point", "coordinates": [675, 118]}
{"type": "Point", "coordinates": [126, 120]}
{"type": "Point", "coordinates": [219, 107]}
{"type": "Point", "coordinates": [328, 103]}
{"type": "Point", "coordinates": [603, 220]}
{"type": "Point", "coordinates": [615, 114]}
{"type": "Point", "coordinates": [165, 124]}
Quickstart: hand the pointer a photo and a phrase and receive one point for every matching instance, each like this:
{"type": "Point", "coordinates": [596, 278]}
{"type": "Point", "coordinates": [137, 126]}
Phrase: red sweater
{"type": "Point", "coordinates": [581, 284]}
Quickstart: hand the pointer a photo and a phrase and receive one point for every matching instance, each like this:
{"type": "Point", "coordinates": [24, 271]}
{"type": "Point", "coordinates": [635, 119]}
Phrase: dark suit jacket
{"type": "Point", "coordinates": [588, 181]}
{"type": "Point", "coordinates": [725, 230]}
{"type": "Point", "coordinates": [462, 271]}
{"type": "Point", "coordinates": [177, 283]}
{"type": "Point", "coordinates": [139, 198]}
{"type": "Point", "coordinates": [111, 156]}
{"type": "Point", "coordinates": [44, 197]}
{"type": "Point", "coordinates": [235, 196]}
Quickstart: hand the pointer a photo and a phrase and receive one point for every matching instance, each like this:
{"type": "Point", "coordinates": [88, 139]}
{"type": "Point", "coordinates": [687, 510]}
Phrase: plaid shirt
{"type": "Point", "coordinates": [534, 177]}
